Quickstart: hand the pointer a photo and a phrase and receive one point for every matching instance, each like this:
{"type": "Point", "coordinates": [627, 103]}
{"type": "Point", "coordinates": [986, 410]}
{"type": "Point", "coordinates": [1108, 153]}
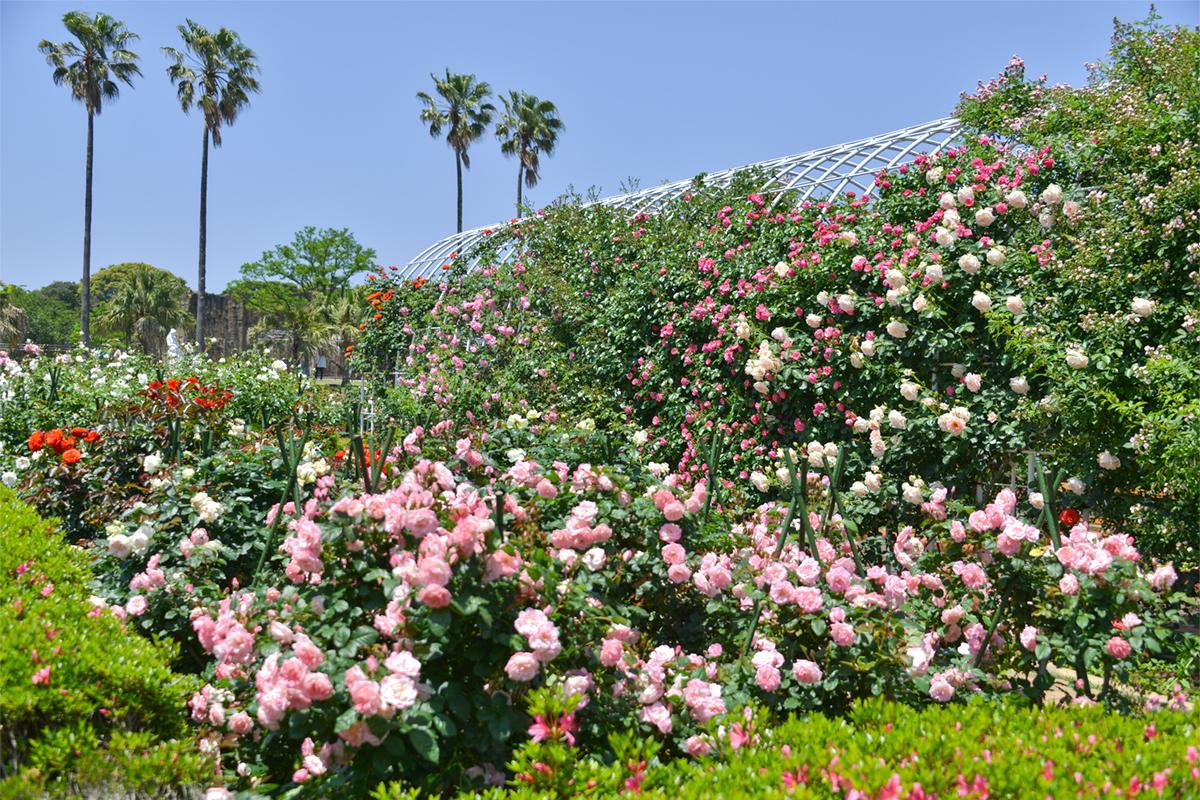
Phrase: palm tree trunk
{"type": "Point", "coordinates": [203, 241]}
{"type": "Point", "coordinates": [520, 174]}
{"type": "Point", "coordinates": [458, 169]}
{"type": "Point", "coordinates": [85, 287]}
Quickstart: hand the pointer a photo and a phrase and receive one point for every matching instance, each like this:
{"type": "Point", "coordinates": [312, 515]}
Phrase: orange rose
{"type": "Point", "coordinates": [71, 456]}
{"type": "Point", "coordinates": [36, 441]}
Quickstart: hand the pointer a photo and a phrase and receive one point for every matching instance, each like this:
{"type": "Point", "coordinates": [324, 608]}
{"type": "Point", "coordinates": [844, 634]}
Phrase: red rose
{"type": "Point", "coordinates": [36, 441]}
{"type": "Point", "coordinates": [1069, 517]}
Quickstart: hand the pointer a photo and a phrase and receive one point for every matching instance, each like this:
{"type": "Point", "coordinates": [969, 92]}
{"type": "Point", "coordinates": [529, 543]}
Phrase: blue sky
{"type": "Point", "coordinates": [655, 91]}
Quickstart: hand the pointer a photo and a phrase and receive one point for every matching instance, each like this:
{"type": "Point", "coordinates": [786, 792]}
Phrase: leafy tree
{"type": "Point", "coordinates": [463, 113]}
{"type": "Point", "coordinates": [13, 318]}
{"type": "Point", "coordinates": [215, 72]}
{"type": "Point", "coordinates": [106, 282]}
{"type": "Point", "coordinates": [92, 70]}
{"type": "Point", "coordinates": [51, 313]}
{"type": "Point", "coordinates": [145, 302]}
{"type": "Point", "coordinates": [67, 292]}
{"type": "Point", "coordinates": [529, 127]}
{"type": "Point", "coordinates": [324, 260]}
{"type": "Point", "coordinates": [297, 287]}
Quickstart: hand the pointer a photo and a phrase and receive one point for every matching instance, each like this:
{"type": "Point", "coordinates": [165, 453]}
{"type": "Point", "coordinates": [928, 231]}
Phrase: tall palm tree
{"type": "Point", "coordinates": [91, 69]}
{"type": "Point", "coordinates": [461, 109]}
{"type": "Point", "coordinates": [529, 127]}
{"type": "Point", "coordinates": [146, 304]}
{"type": "Point", "coordinates": [216, 72]}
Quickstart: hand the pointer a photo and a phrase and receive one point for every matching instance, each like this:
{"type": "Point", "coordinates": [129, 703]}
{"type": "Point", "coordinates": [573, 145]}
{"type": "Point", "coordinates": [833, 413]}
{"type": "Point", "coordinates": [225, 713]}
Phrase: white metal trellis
{"type": "Point", "coordinates": [828, 171]}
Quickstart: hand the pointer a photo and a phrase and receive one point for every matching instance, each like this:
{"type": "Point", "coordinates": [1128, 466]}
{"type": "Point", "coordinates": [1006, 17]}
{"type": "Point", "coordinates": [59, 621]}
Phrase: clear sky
{"type": "Point", "coordinates": [654, 91]}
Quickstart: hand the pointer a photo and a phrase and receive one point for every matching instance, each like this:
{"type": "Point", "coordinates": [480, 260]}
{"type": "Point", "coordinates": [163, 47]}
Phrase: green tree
{"type": "Point", "coordinates": [528, 128]}
{"type": "Point", "coordinates": [295, 288]}
{"type": "Point", "coordinates": [92, 70]}
{"type": "Point", "coordinates": [462, 111]}
{"type": "Point", "coordinates": [144, 304]}
{"type": "Point", "coordinates": [215, 72]}
{"type": "Point", "coordinates": [52, 312]}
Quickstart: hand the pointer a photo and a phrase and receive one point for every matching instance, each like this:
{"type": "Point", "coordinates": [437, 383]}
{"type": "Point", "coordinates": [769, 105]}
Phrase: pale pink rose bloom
{"type": "Point", "coordinates": [678, 573]}
{"type": "Point", "coordinates": [806, 671]}
{"type": "Point", "coordinates": [1029, 637]}
{"type": "Point", "coordinates": [365, 694]}
{"type": "Point", "coordinates": [1118, 647]}
{"type": "Point", "coordinates": [1163, 578]}
{"type": "Point", "coordinates": [659, 716]}
{"type": "Point", "coordinates": [698, 746]}
{"type": "Point", "coordinates": [674, 553]}
{"type": "Point", "coordinates": [434, 596]}
{"type": "Point", "coordinates": [941, 690]}
{"type": "Point", "coordinates": [136, 605]}
{"type": "Point", "coordinates": [670, 532]}
{"type": "Point", "coordinates": [767, 678]}
{"type": "Point", "coordinates": [1068, 584]}
{"type": "Point", "coordinates": [842, 634]}
{"type": "Point", "coordinates": [240, 723]}
{"type": "Point", "coordinates": [673, 511]}
{"type": "Point", "coordinates": [522, 667]}
{"type": "Point", "coordinates": [809, 599]}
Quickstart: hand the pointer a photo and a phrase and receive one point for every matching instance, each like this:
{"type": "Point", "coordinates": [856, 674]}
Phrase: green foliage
{"type": "Point", "coordinates": [139, 303]}
{"type": "Point", "coordinates": [80, 693]}
{"type": "Point", "coordinates": [51, 313]}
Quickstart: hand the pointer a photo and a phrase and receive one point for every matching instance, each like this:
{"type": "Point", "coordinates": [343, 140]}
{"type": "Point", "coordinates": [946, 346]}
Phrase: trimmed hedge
{"type": "Point", "coordinates": [85, 702]}
{"type": "Point", "coordinates": [885, 751]}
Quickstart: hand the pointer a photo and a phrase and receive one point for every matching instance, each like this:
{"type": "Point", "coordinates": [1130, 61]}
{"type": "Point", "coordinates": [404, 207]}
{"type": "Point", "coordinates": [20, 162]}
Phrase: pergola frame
{"type": "Point", "coordinates": [818, 173]}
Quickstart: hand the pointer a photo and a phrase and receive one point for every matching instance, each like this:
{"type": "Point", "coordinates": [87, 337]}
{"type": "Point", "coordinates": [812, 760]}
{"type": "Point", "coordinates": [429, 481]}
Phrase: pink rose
{"type": "Point", "coordinates": [240, 723]}
{"type": "Point", "coordinates": [434, 596]}
{"type": "Point", "coordinates": [1068, 584]}
{"type": "Point", "coordinates": [941, 690]}
{"type": "Point", "coordinates": [522, 667]}
{"type": "Point", "coordinates": [1118, 648]}
{"type": "Point", "coordinates": [806, 671]}
{"type": "Point", "coordinates": [674, 553]}
{"type": "Point", "coordinates": [842, 634]}
{"type": "Point", "coordinates": [1029, 638]}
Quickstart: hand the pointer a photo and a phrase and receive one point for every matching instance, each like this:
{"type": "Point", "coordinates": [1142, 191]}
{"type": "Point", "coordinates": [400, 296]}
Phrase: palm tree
{"type": "Point", "coordinates": [464, 114]}
{"type": "Point", "coordinates": [91, 69]}
{"type": "Point", "coordinates": [146, 304]}
{"type": "Point", "coordinates": [529, 127]}
{"type": "Point", "coordinates": [216, 72]}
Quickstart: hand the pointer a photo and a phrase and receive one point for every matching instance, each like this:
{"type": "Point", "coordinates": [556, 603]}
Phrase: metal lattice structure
{"type": "Point", "coordinates": [817, 173]}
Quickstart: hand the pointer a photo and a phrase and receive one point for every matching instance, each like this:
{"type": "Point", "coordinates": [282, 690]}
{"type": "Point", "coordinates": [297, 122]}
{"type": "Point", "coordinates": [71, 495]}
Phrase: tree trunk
{"type": "Point", "coordinates": [85, 309]}
{"type": "Point", "coordinates": [520, 174]}
{"type": "Point", "coordinates": [203, 241]}
{"type": "Point", "coordinates": [458, 170]}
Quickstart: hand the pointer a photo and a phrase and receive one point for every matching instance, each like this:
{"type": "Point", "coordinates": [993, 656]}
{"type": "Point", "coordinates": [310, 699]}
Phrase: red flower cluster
{"type": "Point", "coordinates": [188, 393]}
{"type": "Point", "coordinates": [62, 442]}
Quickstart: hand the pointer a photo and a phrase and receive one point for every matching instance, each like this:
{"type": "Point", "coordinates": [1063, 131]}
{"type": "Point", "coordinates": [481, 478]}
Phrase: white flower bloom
{"type": "Point", "coordinates": [909, 390]}
{"type": "Point", "coordinates": [897, 420]}
{"type": "Point", "coordinates": [1015, 305]}
{"type": "Point", "coordinates": [1046, 219]}
{"type": "Point", "coordinates": [813, 320]}
{"type": "Point", "coordinates": [985, 217]}
{"type": "Point", "coordinates": [934, 175]}
{"type": "Point", "coordinates": [845, 302]}
{"type": "Point", "coordinates": [874, 481]}
{"type": "Point", "coordinates": [1076, 358]}
{"type": "Point", "coordinates": [1016, 199]}
{"type": "Point", "coordinates": [640, 438]}
{"type": "Point", "coordinates": [139, 541]}
{"type": "Point", "coordinates": [895, 278]}
{"type": "Point", "coordinates": [1071, 208]}
{"type": "Point", "coordinates": [760, 481]}
{"type": "Point", "coordinates": [1075, 485]}
{"type": "Point", "coordinates": [861, 424]}
{"type": "Point", "coordinates": [911, 493]}
{"type": "Point", "coordinates": [934, 273]}
{"type": "Point", "coordinates": [1052, 194]}
{"type": "Point", "coordinates": [944, 237]}
{"type": "Point", "coordinates": [1036, 500]}
{"type": "Point", "coordinates": [946, 201]}
{"type": "Point", "coordinates": [742, 328]}
{"type": "Point", "coordinates": [118, 546]}
{"type": "Point", "coordinates": [1019, 384]}
{"type": "Point", "coordinates": [278, 366]}
{"type": "Point", "coordinates": [594, 559]}
{"type": "Point", "coordinates": [966, 195]}
{"type": "Point", "coordinates": [995, 256]}
{"type": "Point", "coordinates": [9, 478]}
{"type": "Point", "coordinates": [857, 361]}
{"type": "Point", "coordinates": [897, 329]}
{"type": "Point", "coordinates": [1143, 307]}
{"type": "Point", "coordinates": [968, 264]}
{"type": "Point", "coordinates": [920, 304]}
{"type": "Point", "coordinates": [1107, 460]}
{"type": "Point", "coordinates": [981, 302]}
{"type": "Point", "coordinates": [867, 347]}
{"type": "Point", "coordinates": [781, 269]}
{"type": "Point", "coordinates": [973, 381]}
{"type": "Point", "coordinates": [859, 489]}
{"type": "Point", "coordinates": [22, 463]}
{"type": "Point", "coordinates": [152, 463]}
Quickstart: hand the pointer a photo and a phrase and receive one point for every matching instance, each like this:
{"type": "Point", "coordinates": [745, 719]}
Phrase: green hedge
{"type": "Point", "coordinates": [884, 750]}
{"type": "Point", "coordinates": [104, 713]}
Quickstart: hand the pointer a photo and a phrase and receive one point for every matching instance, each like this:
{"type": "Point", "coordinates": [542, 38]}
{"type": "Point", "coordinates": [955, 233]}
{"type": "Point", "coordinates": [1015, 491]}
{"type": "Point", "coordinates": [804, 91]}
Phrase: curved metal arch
{"type": "Point", "coordinates": [817, 173]}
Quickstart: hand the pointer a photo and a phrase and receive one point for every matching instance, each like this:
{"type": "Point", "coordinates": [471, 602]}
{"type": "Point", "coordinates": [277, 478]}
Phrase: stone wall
{"type": "Point", "coordinates": [225, 319]}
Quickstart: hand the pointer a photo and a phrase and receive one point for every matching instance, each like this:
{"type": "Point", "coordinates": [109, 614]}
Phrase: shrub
{"type": "Point", "coordinates": [80, 693]}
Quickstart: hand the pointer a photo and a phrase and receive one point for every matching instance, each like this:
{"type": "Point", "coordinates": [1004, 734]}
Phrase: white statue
{"type": "Point", "coordinates": [173, 350]}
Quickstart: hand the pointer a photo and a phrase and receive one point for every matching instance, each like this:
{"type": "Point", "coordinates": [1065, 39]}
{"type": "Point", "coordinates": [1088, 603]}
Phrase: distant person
{"type": "Point", "coordinates": [320, 367]}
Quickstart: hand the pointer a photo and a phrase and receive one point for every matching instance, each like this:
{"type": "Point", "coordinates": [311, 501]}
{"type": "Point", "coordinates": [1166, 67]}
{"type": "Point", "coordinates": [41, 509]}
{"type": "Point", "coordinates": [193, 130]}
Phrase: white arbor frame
{"type": "Point", "coordinates": [818, 173]}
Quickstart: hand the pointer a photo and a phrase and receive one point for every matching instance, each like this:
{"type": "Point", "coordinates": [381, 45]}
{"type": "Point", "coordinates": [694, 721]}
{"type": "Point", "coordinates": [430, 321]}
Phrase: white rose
{"type": "Point", "coordinates": [981, 301]}
{"type": "Point", "coordinates": [9, 479]}
{"type": "Point", "coordinates": [934, 175]}
{"type": "Point", "coordinates": [985, 217]}
{"type": "Point", "coordinates": [893, 296]}
{"type": "Point", "coordinates": [969, 264]}
{"type": "Point", "coordinates": [813, 320]}
{"type": "Point", "coordinates": [966, 195]}
{"type": "Point", "coordinates": [1019, 385]}
{"type": "Point", "coordinates": [845, 302]}
{"type": "Point", "coordinates": [118, 546]}
{"type": "Point", "coordinates": [874, 481]}
{"type": "Point", "coordinates": [781, 335]}
{"type": "Point", "coordinates": [594, 559]}
{"type": "Point", "coordinates": [934, 273]}
{"type": "Point", "coordinates": [1107, 460]}
{"type": "Point", "coordinates": [1071, 209]}
{"type": "Point", "coordinates": [944, 237]}
{"type": "Point", "coordinates": [781, 269]}
{"type": "Point", "coordinates": [958, 370]}
{"type": "Point", "coordinates": [951, 219]}
{"type": "Point", "coordinates": [867, 347]}
{"type": "Point", "coordinates": [897, 420]}
{"type": "Point", "coordinates": [895, 278]}
{"type": "Point", "coordinates": [823, 298]}
{"type": "Point", "coordinates": [946, 201]}
{"type": "Point", "coordinates": [1015, 305]}
{"type": "Point", "coordinates": [139, 541]}
{"type": "Point", "coordinates": [897, 329]}
{"type": "Point", "coordinates": [912, 494]}
{"type": "Point", "coordinates": [278, 365]}
{"type": "Point", "coordinates": [1076, 358]}
{"type": "Point", "coordinates": [995, 256]}
{"type": "Point", "coordinates": [1016, 199]}
{"type": "Point", "coordinates": [760, 481]}
{"type": "Point", "coordinates": [909, 390]}
{"type": "Point", "coordinates": [152, 463]}
{"type": "Point", "coordinates": [857, 361]}
{"type": "Point", "coordinates": [861, 424]}
{"type": "Point", "coordinates": [187, 473]}
{"type": "Point", "coordinates": [1075, 486]}
{"type": "Point", "coordinates": [1036, 500]}
{"type": "Point", "coordinates": [22, 463]}
{"type": "Point", "coordinates": [972, 381]}
{"type": "Point", "coordinates": [859, 489]}
{"type": "Point", "coordinates": [1052, 194]}
{"type": "Point", "coordinates": [920, 304]}
{"type": "Point", "coordinates": [1143, 307]}
{"type": "Point", "coordinates": [1046, 219]}
{"type": "Point", "coordinates": [640, 438]}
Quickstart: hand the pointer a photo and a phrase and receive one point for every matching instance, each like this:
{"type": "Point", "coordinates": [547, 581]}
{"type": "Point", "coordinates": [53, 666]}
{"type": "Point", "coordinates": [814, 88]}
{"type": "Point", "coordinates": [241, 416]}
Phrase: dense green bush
{"type": "Point", "coordinates": [84, 701]}
{"type": "Point", "coordinates": [883, 750]}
